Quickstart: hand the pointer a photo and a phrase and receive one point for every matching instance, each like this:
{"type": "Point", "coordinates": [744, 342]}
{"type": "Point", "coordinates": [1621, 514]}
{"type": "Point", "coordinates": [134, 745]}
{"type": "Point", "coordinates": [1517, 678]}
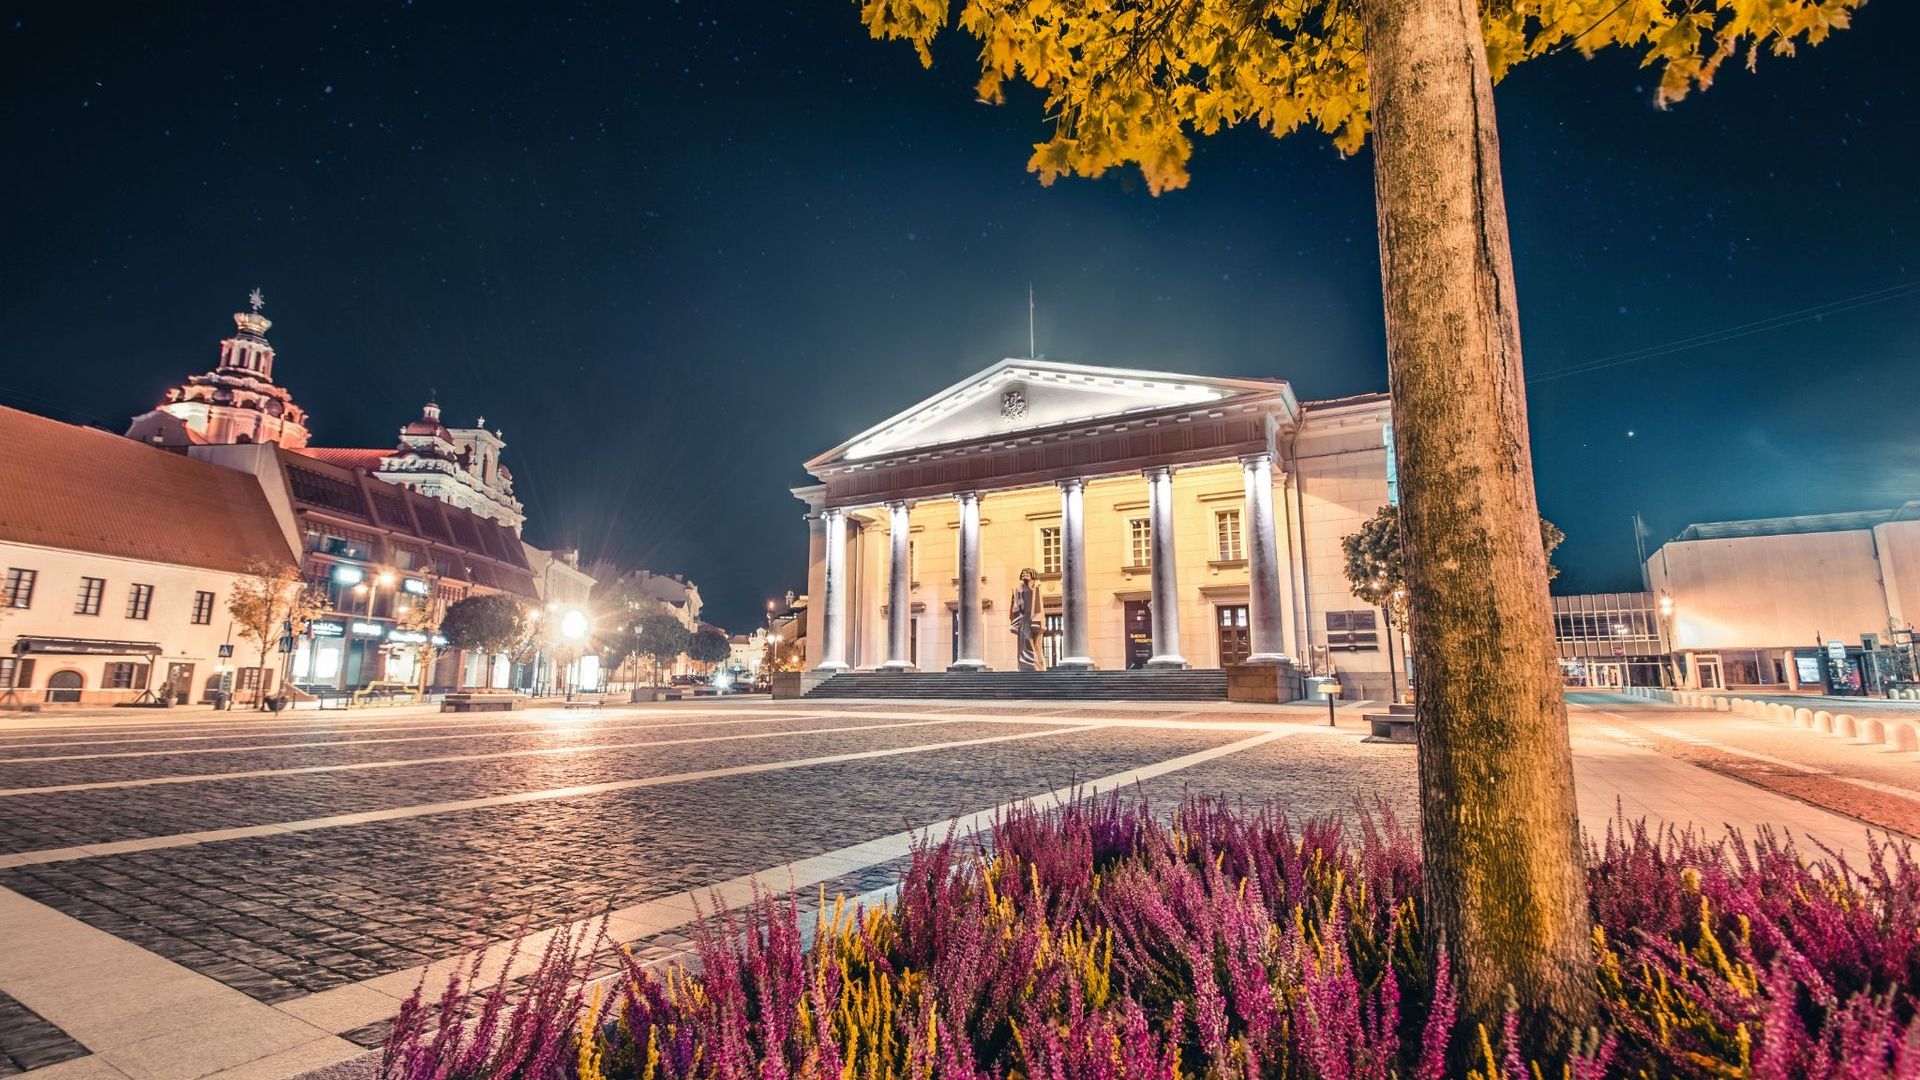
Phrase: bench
{"type": "Point", "coordinates": [583, 701]}
{"type": "Point", "coordinates": [478, 702]}
{"type": "Point", "coordinates": [1396, 725]}
{"type": "Point", "coordinates": [384, 689]}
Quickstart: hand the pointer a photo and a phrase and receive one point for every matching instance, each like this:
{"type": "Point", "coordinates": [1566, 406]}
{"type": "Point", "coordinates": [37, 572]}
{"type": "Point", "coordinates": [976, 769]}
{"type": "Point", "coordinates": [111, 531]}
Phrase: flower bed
{"type": "Point", "coordinates": [1099, 942]}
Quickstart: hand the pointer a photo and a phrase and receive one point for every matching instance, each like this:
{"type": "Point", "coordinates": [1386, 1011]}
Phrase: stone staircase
{"type": "Point", "coordinates": [1198, 684]}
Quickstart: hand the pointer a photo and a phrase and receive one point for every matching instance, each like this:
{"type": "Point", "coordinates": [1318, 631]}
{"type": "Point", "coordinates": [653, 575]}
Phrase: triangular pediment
{"type": "Point", "coordinates": [1017, 396]}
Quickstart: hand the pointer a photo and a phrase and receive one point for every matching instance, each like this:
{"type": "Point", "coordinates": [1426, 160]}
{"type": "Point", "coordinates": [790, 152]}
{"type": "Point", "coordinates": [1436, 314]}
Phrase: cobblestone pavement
{"type": "Point", "coordinates": [185, 894]}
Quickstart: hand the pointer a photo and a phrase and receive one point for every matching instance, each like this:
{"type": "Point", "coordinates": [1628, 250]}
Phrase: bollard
{"type": "Point", "coordinates": [1903, 735]}
{"type": "Point", "coordinates": [1803, 717]}
{"type": "Point", "coordinates": [1823, 722]}
{"type": "Point", "coordinates": [1845, 724]}
{"type": "Point", "coordinates": [1873, 730]}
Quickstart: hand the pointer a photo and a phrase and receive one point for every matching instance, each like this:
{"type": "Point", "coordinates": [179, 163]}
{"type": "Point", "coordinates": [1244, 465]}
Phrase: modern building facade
{"type": "Point", "coordinates": [1820, 601]}
{"type": "Point", "coordinates": [120, 560]}
{"type": "Point", "coordinates": [1610, 640]}
{"type": "Point", "coordinates": [1171, 520]}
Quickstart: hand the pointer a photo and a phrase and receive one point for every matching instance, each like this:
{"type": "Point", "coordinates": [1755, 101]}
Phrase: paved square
{"type": "Point", "coordinates": [188, 895]}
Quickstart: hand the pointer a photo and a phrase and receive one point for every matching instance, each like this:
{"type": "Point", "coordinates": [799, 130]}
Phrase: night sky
{"type": "Point", "coordinates": [674, 249]}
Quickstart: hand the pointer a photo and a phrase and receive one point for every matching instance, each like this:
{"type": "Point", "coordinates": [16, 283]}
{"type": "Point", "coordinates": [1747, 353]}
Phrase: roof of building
{"type": "Point", "coordinates": [1850, 521]}
{"type": "Point", "coordinates": [347, 457]}
{"type": "Point", "coordinates": [461, 544]}
{"type": "Point", "coordinates": [80, 489]}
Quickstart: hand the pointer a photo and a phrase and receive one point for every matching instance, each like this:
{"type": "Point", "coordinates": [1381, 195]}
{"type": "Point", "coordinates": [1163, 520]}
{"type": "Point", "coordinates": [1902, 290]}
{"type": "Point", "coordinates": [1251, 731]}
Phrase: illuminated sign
{"type": "Point", "coordinates": [439, 641]}
{"type": "Point", "coordinates": [407, 637]}
{"type": "Point", "coordinates": [368, 629]}
{"type": "Point", "coordinates": [326, 629]}
{"type": "Point", "coordinates": [415, 586]}
{"type": "Point", "coordinates": [349, 575]}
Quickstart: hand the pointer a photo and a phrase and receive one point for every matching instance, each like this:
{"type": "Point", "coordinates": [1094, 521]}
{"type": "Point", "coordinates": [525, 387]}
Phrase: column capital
{"type": "Point", "coordinates": [834, 512]}
{"type": "Point", "coordinates": [966, 496]}
{"type": "Point", "coordinates": [1155, 472]}
{"type": "Point", "coordinates": [1071, 483]}
{"type": "Point", "coordinates": [1262, 457]}
{"type": "Point", "coordinates": [898, 504]}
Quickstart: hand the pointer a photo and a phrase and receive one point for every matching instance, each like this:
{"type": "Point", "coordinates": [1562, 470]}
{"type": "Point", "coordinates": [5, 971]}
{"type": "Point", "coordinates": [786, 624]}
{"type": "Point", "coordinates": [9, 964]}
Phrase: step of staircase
{"type": "Point", "coordinates": [1200, 684]}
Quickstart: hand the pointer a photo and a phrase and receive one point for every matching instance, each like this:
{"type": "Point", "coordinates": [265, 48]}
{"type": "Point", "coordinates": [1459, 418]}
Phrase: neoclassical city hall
{"type": "Point", "coordinates": [1171, 521]}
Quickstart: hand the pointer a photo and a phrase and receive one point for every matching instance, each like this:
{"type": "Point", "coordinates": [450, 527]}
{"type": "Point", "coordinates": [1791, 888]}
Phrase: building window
{"type": "Point", "coordinates": [19, 589]}
{"type": "Point", "coordinates": [9, 670]}
{"type": "Point", "coordinates": [1050, 549]}
{"type": "Point", "coordinates": [202, 608]}
{"type": "Point", "coordinates": [1352, 631]}
{"type": "Point", "coordinates": [139, 601]}
{"type": "Point", "coordinates": [1226, 536]}
{"type": "Point", "coordinates": [1140, 541]}
{"type": "Point", "coordinates": [913, 563]}
{"type": "Point", "coordinates": [123, 676]}
{"type": "Point", "coordinates": [88, 600]}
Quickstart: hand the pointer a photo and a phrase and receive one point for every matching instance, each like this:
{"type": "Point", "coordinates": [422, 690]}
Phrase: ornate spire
{"type": "Point", "coordinates": [255, 298]}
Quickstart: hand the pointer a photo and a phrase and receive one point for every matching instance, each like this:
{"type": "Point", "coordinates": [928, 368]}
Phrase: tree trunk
{"type": "Point", "coordinates": [1505, 885]}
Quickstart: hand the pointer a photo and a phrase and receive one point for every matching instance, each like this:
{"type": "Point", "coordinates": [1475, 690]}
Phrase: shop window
{"type": "Point", "coordinates": [87, 601]}
{"type": "Point", "coordinates": [139, 601]}
{"type": "Point", "coordinates": [1226, 534]}
{"type": "Point", "coordinates": [18, 592]}
{"type": "Point", "coordinates": [202, 608]}
{"type": "Point", "coordinates": [125, 676]}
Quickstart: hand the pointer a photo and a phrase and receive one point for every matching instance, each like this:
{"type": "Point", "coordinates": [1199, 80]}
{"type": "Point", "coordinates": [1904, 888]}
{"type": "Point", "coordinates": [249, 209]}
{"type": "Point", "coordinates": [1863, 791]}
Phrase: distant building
{"type": "Point", "coordinates": [1610, 640]}
{"type": "Point", "coordinates": [236, 402]}
{"type": "Point", "coordinates": [376, 551]}
{"type": "Point", "coordinates": [120, 560]}
{"type": "Point", "coordinates": [565, 591]}
{"type": "Point", "coordinates": [460, 466]}
{"type": "Point", "coordinates": [1813, 601]}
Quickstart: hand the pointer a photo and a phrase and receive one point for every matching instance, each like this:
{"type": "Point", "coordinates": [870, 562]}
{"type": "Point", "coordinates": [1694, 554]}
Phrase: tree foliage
{"type": "Point", "coordinates": [1131, 83]}
{"type": "Point", "coordinates": [485, 622]}
{"type": "Point", "coordinates": [659, 635]}
{"type": "Point", "coordinates": [709, 646]}
{"type": "Point", "coordinates": [270, 600]}
{"type": "Point", "coordinates": [1377, 570]}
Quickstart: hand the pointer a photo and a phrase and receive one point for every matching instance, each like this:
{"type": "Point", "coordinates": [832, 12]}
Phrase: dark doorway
{"type": "Point", "coordinates": [1231, 620]}
{"type": "Point", "coordinates": [1139, 632]}
{"type": "Point", "coordinates": [180, 677]}
{"type": "Point", "coordinates": [65, 686]}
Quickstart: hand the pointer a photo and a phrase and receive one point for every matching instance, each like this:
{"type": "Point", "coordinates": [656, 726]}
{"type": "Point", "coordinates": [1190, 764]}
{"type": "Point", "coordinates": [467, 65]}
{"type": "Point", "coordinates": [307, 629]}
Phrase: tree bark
{"type": "Point", "coordinates": [1505, 885]}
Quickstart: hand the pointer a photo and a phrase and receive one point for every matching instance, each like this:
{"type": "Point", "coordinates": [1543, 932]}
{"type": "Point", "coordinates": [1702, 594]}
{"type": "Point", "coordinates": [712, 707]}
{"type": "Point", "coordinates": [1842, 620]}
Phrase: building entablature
{"type": "Point", "coordinates": [1029, 423]}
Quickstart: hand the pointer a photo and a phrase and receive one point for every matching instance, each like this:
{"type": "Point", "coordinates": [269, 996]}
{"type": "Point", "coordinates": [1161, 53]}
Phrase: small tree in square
{"type": "Point", "coordinates": [709, 646]}
{"type": "Point", "coordinates": [268, 602]}
{"type": "Point", "coordinates": [660, 636]}
{"type": "Point", "coordinates": [488, 623]}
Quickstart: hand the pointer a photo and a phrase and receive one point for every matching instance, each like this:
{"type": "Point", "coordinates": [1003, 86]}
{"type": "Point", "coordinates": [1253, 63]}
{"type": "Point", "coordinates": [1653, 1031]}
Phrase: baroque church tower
{"type": "Point", "coordinates": [236, 402]}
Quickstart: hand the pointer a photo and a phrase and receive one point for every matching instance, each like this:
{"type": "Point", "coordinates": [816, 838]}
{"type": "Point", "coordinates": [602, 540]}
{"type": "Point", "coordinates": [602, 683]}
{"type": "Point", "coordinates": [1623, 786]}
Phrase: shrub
{"type": "Point", "coordinates": [1096, 941]}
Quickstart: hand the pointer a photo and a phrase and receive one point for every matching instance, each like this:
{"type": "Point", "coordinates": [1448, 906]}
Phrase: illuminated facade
{"type": "Point", "coordinates": [236, 402]}
{"type": "Point", "coordinates": [1172, 520]}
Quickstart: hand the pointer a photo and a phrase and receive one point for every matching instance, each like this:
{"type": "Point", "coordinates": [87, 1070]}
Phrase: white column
{"type": "Point", "coordinates": [899, 596]}
{"type": "Point", "coordinates": [833, 651]}
{"type": "Point", "coordinates": [1265, 611]}
{"type": "Point", "coordinates": [969, 597]}
{"type": "Point", "coordinates": [1073, 577]}
{"type": "Point", "coordinates": [1166, 585]}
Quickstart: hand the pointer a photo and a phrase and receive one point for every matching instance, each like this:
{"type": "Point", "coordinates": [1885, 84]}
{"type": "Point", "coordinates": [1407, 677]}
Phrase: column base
{"type": "Point", "coordinates": [967, 665]}
{"type": "Point", "coordinates": [1073, 663]}
{"type": "Point", "coordinates": [833, 667]}
{"type": "Point", "coordinates": [896, 666]}
{"type": "Point", "coordinates": [1268, 658]}
{"type": "Point", "coordinates": [1168, 663]}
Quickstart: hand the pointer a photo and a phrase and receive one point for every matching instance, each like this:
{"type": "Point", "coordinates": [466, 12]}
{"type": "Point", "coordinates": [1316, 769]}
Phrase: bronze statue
{"type": "Point", "coordinates": [1026, 621]}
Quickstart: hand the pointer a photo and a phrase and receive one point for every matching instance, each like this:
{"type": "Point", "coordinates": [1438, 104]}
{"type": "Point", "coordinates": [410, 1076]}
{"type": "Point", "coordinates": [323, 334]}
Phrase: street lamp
{"type": "Point", "coordinates": [1666, 627]}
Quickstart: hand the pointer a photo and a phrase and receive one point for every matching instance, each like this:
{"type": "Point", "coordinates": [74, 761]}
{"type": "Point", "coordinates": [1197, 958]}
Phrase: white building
{"type": "Point", "coordinates": [120, 560]}
{"type": "Point", "coordinates": [1762, 603]}
{"type": "Point", "coordinates": [565, 591]}
{"type": "Point", "coordinates": [1172, 521]}
{"type": "Point", "coordinates": [458, 466]}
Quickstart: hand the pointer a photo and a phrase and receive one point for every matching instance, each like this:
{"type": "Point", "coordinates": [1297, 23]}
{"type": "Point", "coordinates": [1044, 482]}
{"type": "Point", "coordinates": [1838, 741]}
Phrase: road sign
{"type": "Point", "coordinates": [226, 651]}
{"type": "Point", "coordinates": [286, 643]}
{"type": "Point", "coordinates": [1837, 651]}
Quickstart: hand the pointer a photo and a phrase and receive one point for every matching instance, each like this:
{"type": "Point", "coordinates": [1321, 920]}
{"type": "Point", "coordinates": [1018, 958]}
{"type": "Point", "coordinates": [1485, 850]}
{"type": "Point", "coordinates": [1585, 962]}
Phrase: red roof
{"type": "Point", "coordinates": [346, 457]}
{"type": "Point", "coordinates": [80, 489]}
